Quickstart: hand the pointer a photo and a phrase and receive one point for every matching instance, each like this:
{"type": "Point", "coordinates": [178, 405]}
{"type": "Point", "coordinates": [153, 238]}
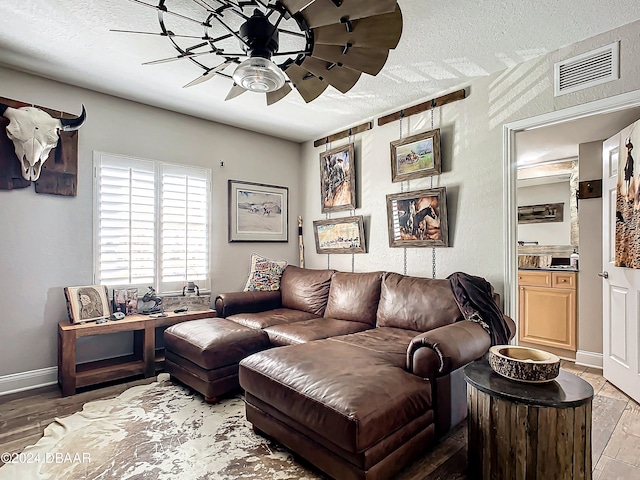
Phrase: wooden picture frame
{"type": "Point", "coordinates": [416, 156]}
{"type": "Point", "coordinates": [418, 219]}
{"type": "Point", "coordinates": [546, 213]}
{"type": "Point", "coordinates": [340, 235]}
{"type": "Point", "coordinates": [258, 212]}
{"type": "Point", "coordinates": [338, 179]}
{"type": "Point", "coordinates": [87, 303]}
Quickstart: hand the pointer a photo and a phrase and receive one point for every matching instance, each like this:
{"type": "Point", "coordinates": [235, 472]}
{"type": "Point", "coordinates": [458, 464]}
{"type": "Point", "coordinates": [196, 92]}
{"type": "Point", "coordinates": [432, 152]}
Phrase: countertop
{"type": "Point", "coordinates": [551, 269]}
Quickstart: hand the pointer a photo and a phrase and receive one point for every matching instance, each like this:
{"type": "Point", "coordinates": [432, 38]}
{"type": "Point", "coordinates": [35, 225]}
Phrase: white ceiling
{"type": "Point", "coordinates": [445, 43]}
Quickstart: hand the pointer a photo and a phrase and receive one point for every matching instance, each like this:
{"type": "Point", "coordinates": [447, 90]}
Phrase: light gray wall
{"type": "Point", "coordinates": [46, 240]}
{"type": "Point", "coordinates": [547, 233]}
{"type": "Point", "coordinates": [590, 224]}
{"type": "Point", "coordinates": [472, 152]}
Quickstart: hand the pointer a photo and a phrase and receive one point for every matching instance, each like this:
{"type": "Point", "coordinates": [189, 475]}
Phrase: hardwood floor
{"type": "Point", "coordinates": [616, 428]}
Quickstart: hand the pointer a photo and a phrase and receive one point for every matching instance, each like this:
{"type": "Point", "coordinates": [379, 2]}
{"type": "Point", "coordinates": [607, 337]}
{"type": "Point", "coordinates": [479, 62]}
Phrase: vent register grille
{"type": "Point", "coordinates": [587, 70]}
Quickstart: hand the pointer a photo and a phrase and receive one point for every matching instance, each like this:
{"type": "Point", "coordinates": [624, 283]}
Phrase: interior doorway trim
{"type": "Point", "coordinates": [510, 231]}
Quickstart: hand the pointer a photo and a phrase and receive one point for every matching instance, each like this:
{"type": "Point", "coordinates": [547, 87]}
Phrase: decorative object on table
{"type": "Point", "coordinates": [191, 288]}
{"type": "Point", "coordinates": [265, 273]}
{"type": "Point", "coordinates": [524, 364]}
{"type": "Point", "coordinates": [418, 219]}
{"type": "Point", "coordinates": [149, 297]}
{"type": "Point", "coordinates": [300, 242]}
{"type": "Point", "coordinates": [314, 43]}
{"type": "Point", "coordinates": [258, 212]}
{"type": "Point", "coordinates": [125, 300]}
{"type": "Point", "coordinates": [340, 235]}
{"type": "Point", "coordinates": [338, 179]}
{"type": "Point", "coordinates": [87, 303]}
{"type": "Point", "coordinates": [30, 137]}
{"type": "Point", "coordinates": [416, 156]}
{"type": "Point", "coordinates": [547, 213]}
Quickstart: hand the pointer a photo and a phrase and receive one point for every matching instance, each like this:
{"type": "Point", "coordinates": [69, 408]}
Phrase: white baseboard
{"type": "Point", "coordinates": [589, 359]}
{"type": "Point", "coordinates": [18, 382]}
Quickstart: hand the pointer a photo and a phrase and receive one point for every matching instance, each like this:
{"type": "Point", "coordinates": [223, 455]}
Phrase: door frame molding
{"type": "Point", "coordinates": [509, 130]}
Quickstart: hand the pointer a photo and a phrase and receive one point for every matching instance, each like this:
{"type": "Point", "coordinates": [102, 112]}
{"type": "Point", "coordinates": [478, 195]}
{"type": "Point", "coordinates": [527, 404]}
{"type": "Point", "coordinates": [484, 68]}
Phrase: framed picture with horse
{"type": "Point", "coordinates": [418, 219]}
{"type": "Point", "coordinates": [258, 212]}
{"type": "Point", "coordinates": [338, 179]}
{"type": "Point", "coordinates": [416, 156]}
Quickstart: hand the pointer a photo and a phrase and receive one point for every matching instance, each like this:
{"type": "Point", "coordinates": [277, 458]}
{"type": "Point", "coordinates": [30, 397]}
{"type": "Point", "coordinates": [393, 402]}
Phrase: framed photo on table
{"type": "Point", "coordinates": [416, 156]}
{"type": "Point", "coordinates": [338, 179]}
{"type": "Point", "coordinates": [87, 303]}
{"type": "Point", "coordinates": [340, 235]}
{"type": "Point", "coordinates": [258, 212]}
{"type": "Point", "coordinates": [418, 219]}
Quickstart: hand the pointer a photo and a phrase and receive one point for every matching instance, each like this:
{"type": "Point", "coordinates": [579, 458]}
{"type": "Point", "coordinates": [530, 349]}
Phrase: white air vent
{"type": "Point", "coordinates": [586, 70]}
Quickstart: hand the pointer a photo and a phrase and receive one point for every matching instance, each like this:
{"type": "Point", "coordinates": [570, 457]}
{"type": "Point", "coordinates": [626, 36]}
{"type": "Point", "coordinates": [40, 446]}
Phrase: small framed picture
{"type": "Point", "coordinates": [338, 179]}
{"type": "Point", "coordinates": [88, 303]}
{"type": "Point", "coordinates": [418, 219]}
{"type": "Point", "coordinates": [258, 212]}
{"type": "Point", "coordinates": [340, 235]}
{"type": "Point", "coordinates": [125, 300]}
{"type": "Point", "coordinates": [416, 156]}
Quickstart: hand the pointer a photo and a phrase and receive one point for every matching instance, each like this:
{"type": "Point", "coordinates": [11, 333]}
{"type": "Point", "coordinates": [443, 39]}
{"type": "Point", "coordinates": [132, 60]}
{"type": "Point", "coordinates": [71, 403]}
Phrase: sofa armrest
{"type": "Point", "coordinates": [247, 302]}
{"type": "Point", "coordinates": [440, 351]}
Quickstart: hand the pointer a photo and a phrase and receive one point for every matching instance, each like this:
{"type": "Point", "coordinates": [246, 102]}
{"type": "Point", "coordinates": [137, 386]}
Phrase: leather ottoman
{"type": "Point", "coordinates": [204, 354]}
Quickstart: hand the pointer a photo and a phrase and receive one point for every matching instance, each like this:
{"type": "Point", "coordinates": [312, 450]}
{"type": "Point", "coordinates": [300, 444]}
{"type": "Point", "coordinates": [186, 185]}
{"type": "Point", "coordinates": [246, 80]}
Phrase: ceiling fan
{"type": "Point", "coordinates": [277, 45]}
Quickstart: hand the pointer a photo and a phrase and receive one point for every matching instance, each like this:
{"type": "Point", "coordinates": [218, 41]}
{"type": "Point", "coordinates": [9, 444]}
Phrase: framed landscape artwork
{"type": "Point", "coordinates": [418, 219]}
{"type": "Point", "coordinates": [340, 235]}
{"type": "Point", "coordinates": [416, 156]}
{"type": "Point", "coordinates": [338, 179]}
{"type": "Point", "coordinates": [258, 212]}
{"type": "Point", "coordinates": [88, 303]}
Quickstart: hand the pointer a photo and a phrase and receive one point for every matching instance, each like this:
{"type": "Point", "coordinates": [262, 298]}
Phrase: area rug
{"type": "Point", "coordinates": [157, 431]}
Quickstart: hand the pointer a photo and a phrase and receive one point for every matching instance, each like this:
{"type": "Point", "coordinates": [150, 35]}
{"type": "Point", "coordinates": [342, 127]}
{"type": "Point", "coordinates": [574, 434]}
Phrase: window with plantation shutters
{"type": "Point", "coordinates": [151, 224]}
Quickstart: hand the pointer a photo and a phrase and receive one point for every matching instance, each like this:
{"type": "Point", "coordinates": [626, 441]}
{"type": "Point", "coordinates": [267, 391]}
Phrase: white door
{"type": "Point", "coordinates": [620, 286]}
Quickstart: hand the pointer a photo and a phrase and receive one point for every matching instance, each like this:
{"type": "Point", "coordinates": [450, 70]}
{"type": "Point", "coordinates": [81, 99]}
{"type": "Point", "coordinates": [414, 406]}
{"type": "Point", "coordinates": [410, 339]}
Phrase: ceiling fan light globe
{"type": "Point", "coordinates": [259, 74]}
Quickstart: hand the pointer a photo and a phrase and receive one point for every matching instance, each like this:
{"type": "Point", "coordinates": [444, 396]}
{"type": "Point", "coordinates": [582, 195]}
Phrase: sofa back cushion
{"type": "Point", "coordinates": [354, 297]}
{"type": "Point", "coordinates": [305, 289]}
{"type": "Point", "coordinates": [420, 304]}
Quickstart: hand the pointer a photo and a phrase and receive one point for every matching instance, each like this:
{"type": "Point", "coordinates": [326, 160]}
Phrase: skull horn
{"type": "Point", "coordinates": [71, 124]}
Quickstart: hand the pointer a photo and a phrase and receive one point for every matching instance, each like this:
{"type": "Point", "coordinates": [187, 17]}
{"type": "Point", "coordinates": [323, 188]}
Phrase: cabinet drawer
{"type": "Point", "coordinates": [541, 279]}
{"type": "Point", "coordinates": [563, 280]}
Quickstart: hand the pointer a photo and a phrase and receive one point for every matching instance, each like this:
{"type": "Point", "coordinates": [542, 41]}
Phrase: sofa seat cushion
{"type": "Point", "coordinates": [354, 296]}
{"type": "Point", "coordinates": [314, 329]}
{"type": "Point", "coordinates": [277, 316]}
{"type": "Point", "coordinates": [392, 343]}
{"type": "Point", "coordinates": [213, 343]}
{"type": "Point", "coordinates": [351, 396]}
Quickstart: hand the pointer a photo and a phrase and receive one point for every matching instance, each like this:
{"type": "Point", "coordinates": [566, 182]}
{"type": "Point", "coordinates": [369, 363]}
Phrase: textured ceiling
{"type": "Point", "coordinates": [444, 44]}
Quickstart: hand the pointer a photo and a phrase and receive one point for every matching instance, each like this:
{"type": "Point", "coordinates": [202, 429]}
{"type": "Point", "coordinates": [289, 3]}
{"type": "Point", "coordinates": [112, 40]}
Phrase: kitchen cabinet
{"type": "Point", "coordinates": [547, 309]}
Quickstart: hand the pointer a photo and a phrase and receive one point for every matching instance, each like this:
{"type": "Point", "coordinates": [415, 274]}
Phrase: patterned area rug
{"type": "Point", "coordinates": [157, 431]}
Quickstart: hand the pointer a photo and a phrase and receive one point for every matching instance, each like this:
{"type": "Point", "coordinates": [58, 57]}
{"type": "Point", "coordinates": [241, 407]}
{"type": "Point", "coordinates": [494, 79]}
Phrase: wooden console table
{"type": "Point", "coordinates": [528, 431]}
{"type": "Point", "coordinates": [145, 360]}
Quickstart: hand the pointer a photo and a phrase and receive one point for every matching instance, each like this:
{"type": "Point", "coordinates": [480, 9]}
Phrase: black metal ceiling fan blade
{"type": "Point", "coordinates": [367, 60]}
{"type": "Point", "coordinates": [378, 31]}
{"type": "Point", "coordinates": [340, 77]}
{"type": "Point", "coordinates": [325, 12]}
{"type": "Point", "coordinates": [308, 85]}
{"type": "Point", "coordinates": [274, 97]}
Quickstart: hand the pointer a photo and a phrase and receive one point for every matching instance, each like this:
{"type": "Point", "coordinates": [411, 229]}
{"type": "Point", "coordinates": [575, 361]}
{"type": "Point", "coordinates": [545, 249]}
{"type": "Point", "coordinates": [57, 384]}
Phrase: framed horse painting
{"type": "Point", "coordinates": [338, 179]}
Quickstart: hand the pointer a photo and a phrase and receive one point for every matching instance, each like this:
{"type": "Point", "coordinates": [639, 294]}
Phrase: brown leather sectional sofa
{"type": "Point", "coordinates": [370, 370]}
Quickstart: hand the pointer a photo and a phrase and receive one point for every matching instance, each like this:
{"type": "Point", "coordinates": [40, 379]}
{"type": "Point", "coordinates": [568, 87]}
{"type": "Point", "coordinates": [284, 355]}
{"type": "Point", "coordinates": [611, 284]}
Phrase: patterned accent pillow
{"type": "Point", "coordinates": [265, 273]}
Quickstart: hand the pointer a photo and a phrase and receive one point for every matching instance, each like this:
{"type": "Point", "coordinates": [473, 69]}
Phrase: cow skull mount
{"type": "Point", "coordinates": [34, 134]}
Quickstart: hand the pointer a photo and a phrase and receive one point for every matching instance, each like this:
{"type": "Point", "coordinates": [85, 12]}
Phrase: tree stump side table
{"type": "Point", "coordinates": [527, 431]}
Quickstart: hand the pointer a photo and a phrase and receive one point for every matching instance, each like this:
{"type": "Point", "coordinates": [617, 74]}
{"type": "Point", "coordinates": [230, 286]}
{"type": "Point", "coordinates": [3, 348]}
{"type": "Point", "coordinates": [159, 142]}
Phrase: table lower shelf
{"type": "Point", "coordinates": [101, 371]}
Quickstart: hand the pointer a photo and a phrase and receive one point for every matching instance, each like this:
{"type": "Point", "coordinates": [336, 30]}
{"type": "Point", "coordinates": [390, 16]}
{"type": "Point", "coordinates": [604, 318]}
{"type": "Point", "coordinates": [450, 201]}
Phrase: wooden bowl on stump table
{"type": "Point", "coordinates": [524, 364]}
